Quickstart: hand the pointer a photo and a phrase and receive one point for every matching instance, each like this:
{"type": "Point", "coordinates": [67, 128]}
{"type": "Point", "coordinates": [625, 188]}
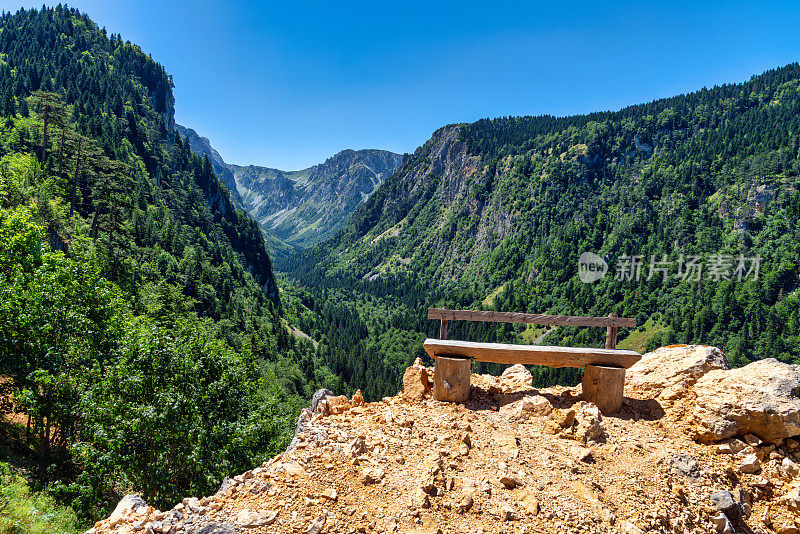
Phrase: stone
{"type": "Point", "coordinates": [792, 499]}
{"type": "Point", "coordinates": [252, 519]}
{"type": "Point", "coordinates": [419, 499]}
{"type": "Point", "coordinates": [510, 481]}
{"type": "Point", "coordinates": [464, 504]}
{"type": "Point", "coordinates": [127, 505]}
{"type": "Point", "coordinates": [357, 447]}
{"type": "Point", "coordinates": [358, 399]}
{"type": "Point", "coordinates": [416, 381]}
{"type": "Point", "coordinates": [761, 398]}
{"type": "Point", "coordinates": [668, 373]}
{"type": "Point", "coordinates": [589, 427]}
{"type": "Point", "coordinates": [319, 396]}
{"type": "Point", "coordinates": [335, 405]}
{"type": "Point", "coordinates": [293, 469]}
{"type": "Point", "coordinates": [750, 464]}
{"type": "Point", "coordinates": [372, 476]}
{"type": "Point", "coordinates": [516, 377]}
{"type": "Point", "coordinates": [507, 513]}
{"type": "Point", "coordinates": [752, 440]}
{"type": "Point", "coordinates": [721, 524]}
{"type": "Point", "coordinates": [218, 528]}
{"type": "Point", "coordinates": [789, 468]}
{"type": "Point", "coordinates": [317, 525]}
{"type": "Point", "coordinates": [529, 502]}
{"type": "Point", "coordinates": [551, 427]}
{"type": "Point", "coordinates": [685, 465]}
{"type": "Point", "coordinates": [526, 407]}
{"type": "Point", "coordinates": [331, 494]}
{"type": "Point", "coordinates": [564, 418]}
{"type": "Point", "coordinates": [629, 528]}
{"type": "Point", "coordinates": [722, 500]}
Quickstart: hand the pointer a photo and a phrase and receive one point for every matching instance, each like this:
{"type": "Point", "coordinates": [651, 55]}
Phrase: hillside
{"type": "Point", "coordinates": [504, 208]}
{"type": "Point", "coordinates": [132, 289]}
{"type": "Point", "coordinates": [201, 146]}
{"type": "Point", "coordinates": [303, 208]}
{"type": "Point", "coordinates": [517, 459]}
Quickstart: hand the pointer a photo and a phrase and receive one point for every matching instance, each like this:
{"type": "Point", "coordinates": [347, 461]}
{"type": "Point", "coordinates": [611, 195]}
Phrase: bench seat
{"type": "Point", "coordinates": [550, 356]}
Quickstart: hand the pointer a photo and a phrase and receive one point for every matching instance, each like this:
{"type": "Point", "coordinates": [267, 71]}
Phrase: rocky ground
{"type": "Point", "coordinates": [696, 448]}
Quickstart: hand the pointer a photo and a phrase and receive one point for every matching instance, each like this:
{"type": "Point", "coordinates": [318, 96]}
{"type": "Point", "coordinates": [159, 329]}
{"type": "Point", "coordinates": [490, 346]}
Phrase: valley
{"type": "Point", "coordinates": [165, 315]}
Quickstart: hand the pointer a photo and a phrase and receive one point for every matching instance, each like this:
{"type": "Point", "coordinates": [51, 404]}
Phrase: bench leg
{"type": "Point", "coordinates": [603, 385]}
{"type": "Point", "coordinates": [451, 379]}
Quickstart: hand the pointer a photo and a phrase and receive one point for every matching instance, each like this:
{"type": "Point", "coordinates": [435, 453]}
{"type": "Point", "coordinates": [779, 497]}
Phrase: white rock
{"type": "Point", "coordinates": [750, 464]}
{"type": "Point", "coordinates": [759, 398]}
{"type": "Point", "coordinates": [667, 373]}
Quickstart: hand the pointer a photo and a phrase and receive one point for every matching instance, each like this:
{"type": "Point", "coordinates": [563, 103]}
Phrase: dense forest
{"type": "Point", "coordinates": [495, 215]}
{"type": "Point", "coordinates": [143, 344]}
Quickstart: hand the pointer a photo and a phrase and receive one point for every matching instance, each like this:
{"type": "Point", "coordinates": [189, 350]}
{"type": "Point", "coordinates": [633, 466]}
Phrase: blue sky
{"type": "Point", "coordinates": [287, 84]}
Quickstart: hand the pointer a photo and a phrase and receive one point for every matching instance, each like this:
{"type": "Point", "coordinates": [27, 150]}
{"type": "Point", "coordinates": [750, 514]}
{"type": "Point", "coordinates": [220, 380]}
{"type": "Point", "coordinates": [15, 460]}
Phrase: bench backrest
{"type": "Point", "coordinates": [611, 323]}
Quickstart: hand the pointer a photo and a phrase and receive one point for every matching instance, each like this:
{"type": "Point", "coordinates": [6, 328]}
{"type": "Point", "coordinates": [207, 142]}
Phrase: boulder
{"type": "Point", "coordinates": [761, 398]}
{"type": "Point", "coordinates": [319, 396]}
{"type": "Point", "coordinates": [527, 407]}
{"type": "Point", "coordinates": [515, 378]}
{"type": "Point", "coordinates": [416, 381]}
{"type": "Point", "coordinates": [128, 504]}
{"type": "Point", "coordinates": [668, 372]}
{"type": "Point", "coordinates": [336, 405]}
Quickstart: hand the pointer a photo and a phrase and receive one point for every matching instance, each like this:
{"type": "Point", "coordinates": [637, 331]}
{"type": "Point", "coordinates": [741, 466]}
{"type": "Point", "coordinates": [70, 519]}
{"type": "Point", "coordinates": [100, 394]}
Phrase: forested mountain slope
{"type": "Point", "coordinates": [133, 293]}
{"type": "Point", "coordinates": [306, 207]}
{"type": "Point", "coordinates": [496, 214]}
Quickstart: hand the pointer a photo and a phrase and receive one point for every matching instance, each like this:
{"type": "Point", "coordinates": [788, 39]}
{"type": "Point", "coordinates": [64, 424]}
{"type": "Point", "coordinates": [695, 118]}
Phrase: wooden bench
{"type": "Point", "coordinates": [604, 369]}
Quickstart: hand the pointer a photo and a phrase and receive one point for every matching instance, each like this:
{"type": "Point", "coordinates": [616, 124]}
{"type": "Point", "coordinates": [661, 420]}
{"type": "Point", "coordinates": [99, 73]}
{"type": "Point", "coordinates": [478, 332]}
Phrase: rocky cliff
{"type": "Point", "coordinates": [697, 447]}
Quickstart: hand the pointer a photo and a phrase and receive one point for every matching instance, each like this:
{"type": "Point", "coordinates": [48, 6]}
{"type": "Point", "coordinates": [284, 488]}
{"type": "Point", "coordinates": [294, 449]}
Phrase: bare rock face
{"type": "Point", "coordinates": [416, 381]}
{"type": "Point", "coordinates": [668, 373]}
{"type": "Point", "coordinates": [761, 398]}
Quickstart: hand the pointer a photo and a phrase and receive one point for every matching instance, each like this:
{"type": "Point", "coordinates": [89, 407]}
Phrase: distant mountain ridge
{"type": "Point", "coordinates": [306, 207]}
{"type": "Point", "coordinates": [299, 209]}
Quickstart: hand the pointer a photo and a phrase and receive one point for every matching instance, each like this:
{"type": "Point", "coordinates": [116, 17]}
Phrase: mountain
{"type": "Point", "coordinates": [132, 289]}
{"type": "Point", "coordinates": [513, 458]}
{"type": "Point", "coordinates": [306, 207]}
{"type": "Point", "coordinates": [692, 201]}
{"type": "Point", "coordinates": [298, 209]}
{"type": "Point", "coordinates": [202, 147]}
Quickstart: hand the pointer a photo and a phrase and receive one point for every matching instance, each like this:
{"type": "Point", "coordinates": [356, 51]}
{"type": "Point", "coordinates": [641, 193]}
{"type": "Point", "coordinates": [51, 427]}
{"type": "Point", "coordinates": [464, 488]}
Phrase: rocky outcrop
{"type": "Point", "coordinates": [669, 372]}
{"type": "Point", "coordinates": [761, 398]}
{"type": "Point", "coordinates": [510, 459]}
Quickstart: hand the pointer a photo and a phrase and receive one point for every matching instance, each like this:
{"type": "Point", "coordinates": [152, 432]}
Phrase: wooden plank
{"type": "Point", "coordinates": [533, 318]}
{"type": "Point", "coordinates": [531, 354]}
{"type": "Point", "coordinates": [611, 335]}
{"type": "Point", "coordinates": [443, 329]}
